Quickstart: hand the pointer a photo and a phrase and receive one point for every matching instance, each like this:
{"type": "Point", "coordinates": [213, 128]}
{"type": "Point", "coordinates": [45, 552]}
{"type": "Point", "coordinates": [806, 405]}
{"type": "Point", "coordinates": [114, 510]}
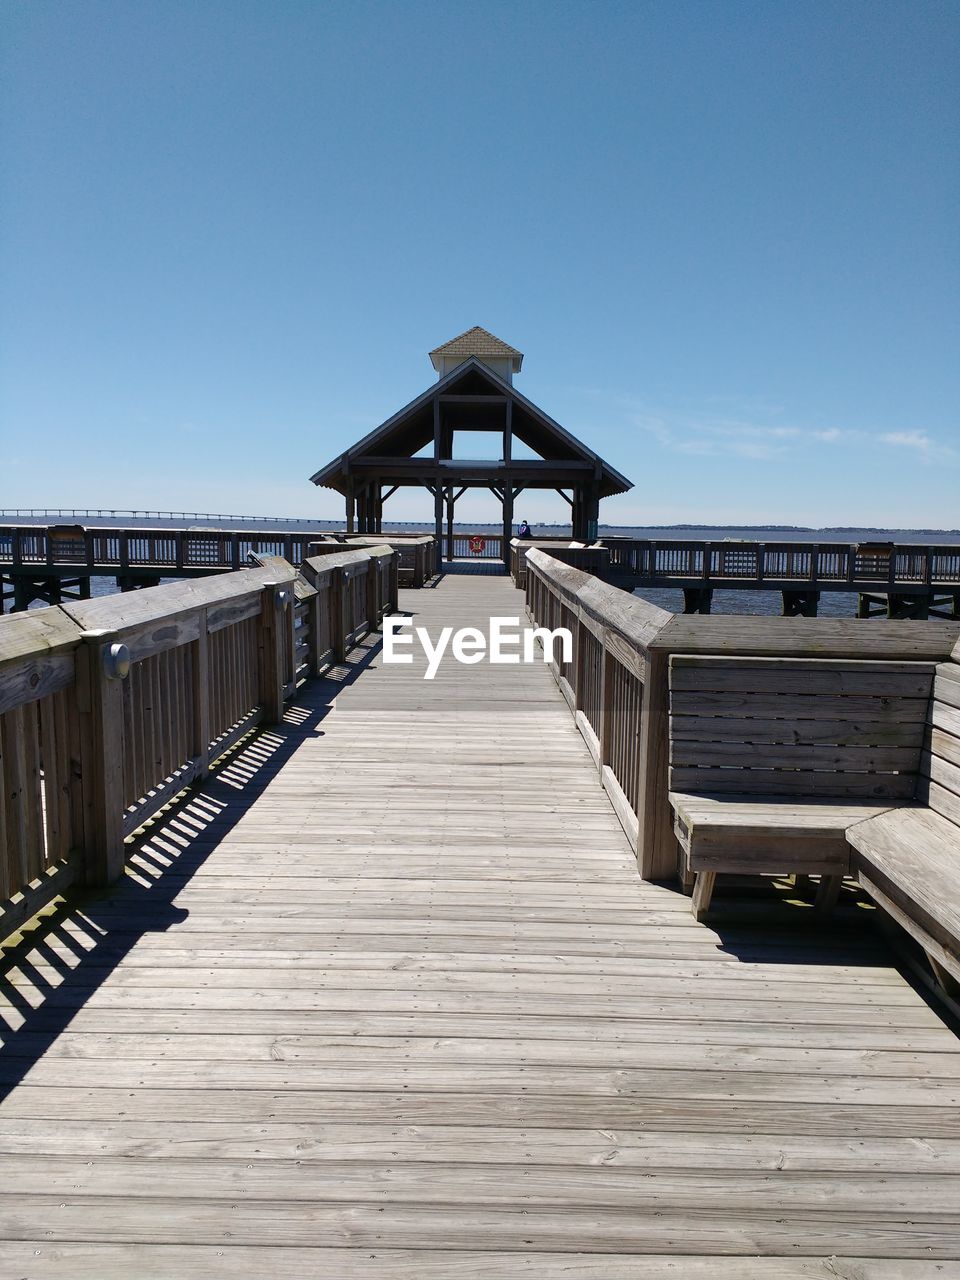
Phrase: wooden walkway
{"type": "Point", "coordinates": [387, 998]}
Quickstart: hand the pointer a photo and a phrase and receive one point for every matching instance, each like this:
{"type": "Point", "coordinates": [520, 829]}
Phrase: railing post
{"type": "Point", "coordinates": [201, 698]}
{"type": "Point", "coordinates": [338, 630]}
{"type": "Point", "coordinates": [102, 665]}
{"type": "Point", "coordinates": [394, 581]}
{"type": "Point", "coordinates": [313, 655]}
{"type": "Point", "coordinates": [273, 649]}
{"type": "Point", "coordinates": [373, 593]}
{"type": "Point", "coordinates": [656, 850]}
{"type": "Point", "coordinates": [419, 558]}
{"type": "Point", "coordinates": [606, 707]}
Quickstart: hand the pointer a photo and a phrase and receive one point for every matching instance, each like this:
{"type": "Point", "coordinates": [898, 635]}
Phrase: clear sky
{"type": "Point", "coordinates": [725, 235]}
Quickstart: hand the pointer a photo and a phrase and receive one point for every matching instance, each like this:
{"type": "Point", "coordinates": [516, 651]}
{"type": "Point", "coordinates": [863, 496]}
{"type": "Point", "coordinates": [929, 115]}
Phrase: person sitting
{"type": "Point", "coordinates": [524, 531]}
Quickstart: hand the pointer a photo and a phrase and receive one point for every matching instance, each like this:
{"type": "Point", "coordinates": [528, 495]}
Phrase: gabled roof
{"type": "Point", "coordinates": [476, 342]}
{"type": "Point", "coordinates": [408, 430]}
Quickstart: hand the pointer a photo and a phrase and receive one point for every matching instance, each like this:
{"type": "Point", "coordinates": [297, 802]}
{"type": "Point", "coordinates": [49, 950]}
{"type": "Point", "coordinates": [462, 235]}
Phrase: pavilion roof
{"type": "Point", "coordinates": [471, 388]}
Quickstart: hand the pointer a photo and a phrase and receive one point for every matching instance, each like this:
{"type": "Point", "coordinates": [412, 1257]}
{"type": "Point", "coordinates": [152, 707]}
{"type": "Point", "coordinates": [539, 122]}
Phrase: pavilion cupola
{"type": "Point", "coordinates": [481, 345]}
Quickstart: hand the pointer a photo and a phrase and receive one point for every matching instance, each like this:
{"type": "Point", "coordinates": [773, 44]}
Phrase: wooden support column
{"type": "Point", "coordinates": [799, 604]}
{"type": "Point", "coordinates": [451, 501]}
{"type": "Point", "coordinates": [438, 514]}
{"type": "Point", "coordinates": [509, 493]}
{"type": "Point", "coordinates": [591, 513]}
{"type": "Point", "coordinates": [451, 498]}
{"type": "Point", "coordinates": [577, 517]}
{"type": "Point", "coordinates": [697, 599]}
{"type": "Point", "coordinates": [100, 703]}
{"type": "Point", "coordinates": [350, 509]}
{"type": "Point", "coordinates": [378, 508]}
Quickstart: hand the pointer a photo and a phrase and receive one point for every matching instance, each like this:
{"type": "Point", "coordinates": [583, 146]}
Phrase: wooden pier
{"type": "Point", "coordinates": [383, 993]}
{"type": "Point", "coordinates": [54, 563]}
{"type": "Point", "coordinates": [906, 580]}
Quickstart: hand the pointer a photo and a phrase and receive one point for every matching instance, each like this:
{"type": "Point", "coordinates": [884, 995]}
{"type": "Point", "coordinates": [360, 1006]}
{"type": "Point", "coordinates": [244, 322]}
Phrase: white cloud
{"type": "Point", "coordinates": [708, 436]}
{"type": "Point", "coordinates": [918, 442]}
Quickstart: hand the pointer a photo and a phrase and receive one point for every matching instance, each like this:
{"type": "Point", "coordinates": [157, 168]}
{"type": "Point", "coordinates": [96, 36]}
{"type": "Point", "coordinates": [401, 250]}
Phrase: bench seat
{"type": "Point", "coordinates": [772, 759]}
{"type": "Point", "coordinates": [769, 835]}
{"type": "Point", "coordinates": [908, 861]}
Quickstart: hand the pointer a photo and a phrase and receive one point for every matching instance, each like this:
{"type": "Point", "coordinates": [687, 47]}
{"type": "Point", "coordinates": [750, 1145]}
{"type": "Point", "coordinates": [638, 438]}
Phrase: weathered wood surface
{"type": "Point", "coordinates": [386, 997]}
{"type": "Point", "coordinates": [909, 859]}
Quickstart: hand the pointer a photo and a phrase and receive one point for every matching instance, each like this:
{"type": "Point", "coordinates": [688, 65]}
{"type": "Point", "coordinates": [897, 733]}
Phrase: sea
{"type": "Point", "coordinates": [833, 604]}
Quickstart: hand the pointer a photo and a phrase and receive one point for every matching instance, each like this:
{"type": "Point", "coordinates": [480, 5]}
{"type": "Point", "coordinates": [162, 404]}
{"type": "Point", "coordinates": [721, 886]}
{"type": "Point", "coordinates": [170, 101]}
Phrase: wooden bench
{"type": "Point", "coordinates": [773, 759]}
{"type": "Point", "coordinates": [908, 859]}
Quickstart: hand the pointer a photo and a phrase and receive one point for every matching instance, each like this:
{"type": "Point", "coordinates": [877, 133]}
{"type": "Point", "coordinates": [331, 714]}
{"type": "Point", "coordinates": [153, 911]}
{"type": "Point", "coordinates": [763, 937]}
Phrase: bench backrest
{"type": "Point", "coordinates": [798, 726]}
{"type": "Point", "coordinates": [939, 782]}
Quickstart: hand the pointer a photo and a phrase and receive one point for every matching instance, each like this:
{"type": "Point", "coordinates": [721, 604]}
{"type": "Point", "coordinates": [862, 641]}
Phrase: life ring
{"type": "Point", "coordinates": [478, 545]}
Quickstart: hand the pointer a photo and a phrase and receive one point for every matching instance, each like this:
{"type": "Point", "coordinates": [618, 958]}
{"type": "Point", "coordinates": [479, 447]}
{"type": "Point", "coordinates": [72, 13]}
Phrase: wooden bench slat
{"type": "Point", "coordinates": [939, 768]}
{"type": "Point", "coordinates": [787, 678]}
{"type": "Point", "coordinates": [747, 813]}
{"type": "Point", "coordinates": [797, 706]}
{"type": "Point", "coordinates": [719, 660]}
{"type": "Point", "coordinates": [946, 684]}
{"type": "Point", "coordinates": [747, 758]}
{"type": "Point", "coordinates": [945, 717]}
{"type": "Point", "coordinates": [737, 834]}
{"type": "Point", "coordinates": [941, 800]}
{"type": "Point", "coordinates": [892, 731]}
{"type": "Point", "coordinates": [913, 856]}
{"type": "Point", "coordinates": [800, 782]}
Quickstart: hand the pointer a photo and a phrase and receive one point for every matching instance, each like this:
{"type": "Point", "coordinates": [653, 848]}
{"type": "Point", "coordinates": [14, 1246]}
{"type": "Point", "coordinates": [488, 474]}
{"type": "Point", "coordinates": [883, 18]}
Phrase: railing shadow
{"type": "Point", "coordinates": [474, 568]}
{"type": "Point", "coordinates": [52, 968]}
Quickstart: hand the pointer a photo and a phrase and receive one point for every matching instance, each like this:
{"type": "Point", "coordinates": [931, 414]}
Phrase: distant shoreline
{"type": "Point", "coordinates": [200, 520]}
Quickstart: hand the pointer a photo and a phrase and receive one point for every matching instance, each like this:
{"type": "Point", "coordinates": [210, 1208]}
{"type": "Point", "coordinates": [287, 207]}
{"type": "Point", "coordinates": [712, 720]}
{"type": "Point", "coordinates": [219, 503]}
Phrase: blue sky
{"type": "Point", "coordinates": [724, 234]}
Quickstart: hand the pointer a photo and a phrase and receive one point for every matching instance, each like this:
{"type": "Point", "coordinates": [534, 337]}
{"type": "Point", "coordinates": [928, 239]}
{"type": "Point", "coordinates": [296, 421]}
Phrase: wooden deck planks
{"type": "Point", "coordinates": [387, 998]}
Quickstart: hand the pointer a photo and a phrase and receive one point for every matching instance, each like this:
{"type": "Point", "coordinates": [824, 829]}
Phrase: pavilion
{"type": "Point", "coordinates": [474, 392]}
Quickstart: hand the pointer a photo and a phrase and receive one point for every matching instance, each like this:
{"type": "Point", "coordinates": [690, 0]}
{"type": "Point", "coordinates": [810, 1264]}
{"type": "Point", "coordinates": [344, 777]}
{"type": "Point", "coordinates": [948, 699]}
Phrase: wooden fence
{"type": "Point", "coordinates": [591, 559]}
{"type": "Point", "coordinates": [617, 683]}
{"type": "Point", "coordinates": [123, 550]}
{"type": "Point", "coordinates": [417, 554]}
{"type": "Point", "coordinates": [111, 707]}
{"type": "Point", "coordinates": [824, 566]}
{"type": "Point", "coordinates": [142, 554]}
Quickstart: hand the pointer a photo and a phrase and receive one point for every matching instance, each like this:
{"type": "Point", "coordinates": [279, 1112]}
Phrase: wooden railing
{"type": "Point", "coordinates": [473, 546]}
{"type": "Point", "coordinates": [839, 566]}
{"type": "Point", "coordinates": [111, 707]}
{"type": "Point", "coordinates": [123, 550]}
{"type": "Point", "coordinates": [131, 549]}
{"type": "Point", "coordinates": [617, 683]}
{"type": "Point", "coordinates": [417, 554]}
{"type": "Point", "coordinates": [592, 559]}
